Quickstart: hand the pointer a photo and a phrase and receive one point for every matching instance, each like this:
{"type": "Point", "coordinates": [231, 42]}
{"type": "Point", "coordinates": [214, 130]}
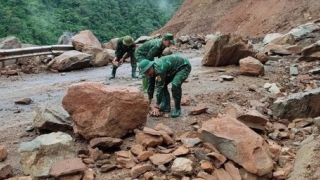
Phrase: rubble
{"type": "Point", "coordinates": [3, 153]}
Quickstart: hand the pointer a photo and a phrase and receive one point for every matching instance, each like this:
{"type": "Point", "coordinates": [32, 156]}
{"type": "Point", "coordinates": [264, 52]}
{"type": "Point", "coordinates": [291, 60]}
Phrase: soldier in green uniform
{"type": "Point", "coordinates": [151, 49]}
{"type": "Point", "coordinates": [125, 48]}
{"type": "Point", "coordinates": [163, 71]}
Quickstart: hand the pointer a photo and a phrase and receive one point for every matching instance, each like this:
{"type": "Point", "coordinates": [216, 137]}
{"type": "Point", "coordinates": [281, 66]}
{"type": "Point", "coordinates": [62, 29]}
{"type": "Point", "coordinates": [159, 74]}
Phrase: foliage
{"type": "Point", "coordinates": [44, 21]}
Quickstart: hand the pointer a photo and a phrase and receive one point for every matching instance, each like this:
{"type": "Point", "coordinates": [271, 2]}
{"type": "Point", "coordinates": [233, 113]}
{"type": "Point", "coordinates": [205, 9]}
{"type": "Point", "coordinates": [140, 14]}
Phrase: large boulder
{"type": "Point", "coordinates": [70, 60]}
{"type": "Point", "coordinates": [244, 147]}
{"type": "Point", "coordinates": [10, 42]}
{"type": "Point", "coordinates": [85, 38]}
{"type": "Point", "coordinates": [37, 156]}
{"type": "Point", "coordinates": [100, 110]}
{"type": "Point", "coordinates": [111, 54]}
{"type": "Point", "coordinates": [227, 49]}
{"type": "Point", "coordinates": [251, 67]}
{"type": "Point", "coordinates": [298, 105]}
{"type": "Point", "coordinates": [269, 37]}
{"type": "Point", "coordinates": [99, 57]}
{"type": "Point", "coordinates": [304, 30]}
{"type": "Point", "coordinates": [52, 117]}
{"type": "Point", "coordinates": [112, 44]}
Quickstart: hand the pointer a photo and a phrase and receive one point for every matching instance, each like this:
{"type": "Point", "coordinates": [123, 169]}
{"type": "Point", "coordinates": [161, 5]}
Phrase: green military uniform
{"type": "Point", "coordinates": [168, 69]}
{"type": "Point", "coordinates": [149, 50]}
{"type": "Point", "coordinates": [127, 49]}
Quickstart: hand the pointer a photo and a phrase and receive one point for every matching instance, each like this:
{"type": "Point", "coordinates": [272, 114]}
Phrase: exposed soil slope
{"type": "Point", "coordinates": [245, 17]}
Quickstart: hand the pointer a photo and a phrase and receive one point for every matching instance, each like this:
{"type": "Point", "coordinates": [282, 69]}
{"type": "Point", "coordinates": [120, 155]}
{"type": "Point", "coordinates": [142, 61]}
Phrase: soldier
{"type": "Point", "coordinates": [125, 48]}
{"type": "Point", "coordinates": [151, 49]}
{"type": "Point", "coordinates": [163, 71]}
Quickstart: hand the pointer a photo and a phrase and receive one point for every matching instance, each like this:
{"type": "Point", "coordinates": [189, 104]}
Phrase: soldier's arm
{"type": "Point", "coordinates": [153, 52]}
{"type": "Point", "coordinates": [151, 87]}
{"type": "Point", "coordinates": [160, 80]}
{"type": "Point", "coordinates": [130, 51]}
{"type": "Point", "coordinates": [119, 53]}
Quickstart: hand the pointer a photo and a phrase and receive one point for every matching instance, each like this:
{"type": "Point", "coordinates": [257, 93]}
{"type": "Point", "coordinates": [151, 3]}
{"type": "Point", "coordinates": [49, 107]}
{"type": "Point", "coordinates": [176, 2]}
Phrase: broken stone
{"type": "Point", "coordinates": [147, 140]}
{"type": "Point", "coordinates": [67, 167]}
{"type": "Point", "coordinates": [253, 119]}
{"type": "Point", "coordinates": [160, 159]}
{"type": "Point", "coordinates": [262, 57]}
{"type": "Point", "coordinates": [107, 167]}
{"type": "Point", "coordinates": [105, 142]}
{"type": "Point", "coordinates": [166, 138]}
{"type": "Point", "coordinates": [100, 163]}
{"type": "Point", "coordinates": [232, 170]}
{"type": "Point", "coordinates": [182, 150]}
{"type": "Point", "coordinates": [190, 142]}
{"type": "Point", "coordinates": [294, 71]}
{"type": "Point", "coordinates": [221, 174]}
{"type": "Point", "coordinates": [150, 131]}
{"type": "Point", "coordinates": [246, 175]}
{"type": "Point", "coordinates": [163, 127]}
{"type": "Point", "coordinates": [203, 175]}
{"type": "Point", "coordinates": [221, 159]}
{"type": "Point", "coordinates": [226, 77]}
{"type": "Point", "coordinates": [206, 166]}
{"type": "Point", "coordinates": [251, 67]}
{"type": "Point", "coordinates": [85, 38]}
{"type": "Point", "coordinates": [5, 171]}
{"type": "Point", "coordinates": [37, 156]}
{"type": "Point", "coordinates": [148, 176]}
{"type": "Point", "coordinates": [24, 101]}
{"type": "Point", "coordinates": [88, 174]}
{"type": "Point", "coordinates": [248, 148]}
{"type": "Point", "coordinates": [199, 109]}
{"type": "Point", "coordinates": [70, 60]}
{"type": "Point", "coordinates": [162, 168]}
{"type": "Point", "coordinates": [137, 149]}
{"type": "Point", "coordinates": [298, 105]}
{"type": "Point", "coordinates": [185, 101]}
{"type": "Point", "coordinates": [125, 159]}
{"type": "Point", "coordinates": [139, 170]}
{"type": "Point", "coordinates": [95, 153]}
{"type": "Point", "coordinates": [88, 161]}
{"type": "Point", "coordinates": [102, 105]}
{"type": "Point", "coordinates": [182, 166]}
{"type": "Point", "coordinates": [3, 153]}
{"type": "Point", "coordinates": [143, 156]}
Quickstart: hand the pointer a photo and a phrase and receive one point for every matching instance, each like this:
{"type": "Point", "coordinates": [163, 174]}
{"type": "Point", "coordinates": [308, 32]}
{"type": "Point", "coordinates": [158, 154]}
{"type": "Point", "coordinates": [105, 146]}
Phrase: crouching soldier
{"type": "Point", "coordinates": [125, 48]}
{"type": "Point", "coordinates": [168, 69]}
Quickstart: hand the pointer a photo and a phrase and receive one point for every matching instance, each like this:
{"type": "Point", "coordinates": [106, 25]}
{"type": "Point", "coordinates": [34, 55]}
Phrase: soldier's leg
{"type": "Point", "coordinates": [113, 72]}
{"type": "Point", "coordinates": [178, 79]}
{"type": "Point", "coordinates": [133, 66]}
{"type": "Point", "coordinates": [165, 105]}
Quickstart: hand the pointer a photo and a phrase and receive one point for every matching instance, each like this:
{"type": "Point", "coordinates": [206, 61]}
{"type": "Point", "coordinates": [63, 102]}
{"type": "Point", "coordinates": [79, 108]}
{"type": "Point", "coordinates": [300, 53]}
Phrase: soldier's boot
{"type": "Point", "coordinates": [165, 103]}
{"type": "Point", "coordinates": [177, 108]}
{"type": "Point", "coordinates": [145, 84]}
{"type": "Point", "coordinates": [113, 73]}
{"type": "Point", "coordinates": [133, 72]}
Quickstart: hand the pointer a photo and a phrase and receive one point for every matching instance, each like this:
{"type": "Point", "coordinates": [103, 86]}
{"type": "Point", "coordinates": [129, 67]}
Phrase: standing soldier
{"type": "Point", "coordinates": [151, 49]}
{"type": "Point", "coordinates": [163, 71]}
{"type": "Point", "coordinates": [125, 48]}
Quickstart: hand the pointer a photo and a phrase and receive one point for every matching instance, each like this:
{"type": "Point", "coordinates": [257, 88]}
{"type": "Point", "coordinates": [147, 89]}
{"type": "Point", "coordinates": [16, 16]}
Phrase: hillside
{"type": "Point", "coordinates": [43, 22]}
{"type": "Point", "coordinates": [245, 17]}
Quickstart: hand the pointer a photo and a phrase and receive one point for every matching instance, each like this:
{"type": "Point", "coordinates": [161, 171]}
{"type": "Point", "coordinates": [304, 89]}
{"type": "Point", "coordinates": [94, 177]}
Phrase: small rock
{"type": "Point", "coordinates": [166, 138]}
{"type": "Point", "coordinates": [3, 153]}
{"type": "Point", "coordinates": [148, 176]}
{"type": "Point", "coordinates": [140, 169]}
{"type": "Point", "coordinates": [105, 142]}
{"type": "Point", "coordinates": [88, 161]}
{"type": "Point", "coordinates": [143, 156]}
{"type": "Point", "coordinates": [88, 174]}
{"type": "Point", "coordinates": [147, 140]}
{"type": "Point", "coordinates": [185, 101]}
{"type": "Point", "coordinates": [162, 168]}
{"type": "Point", "coordinates": [151, 131]}
{"type": "Point", "coordinates": [199, 109]}
{"type": "Point", "coordinates": [29, 128]}
{"type": "Point", "coordinates": [190, 142]}
{"type": "Point", "coordinates": [24, 101]}
{"type": "Point", "coordinates": [125, 159]}
{"type": "Point", "coordinates": [137, 149]}
{"type": "Point", "coordinates": [206, 166]}
{"type": "Point", "coordinates": [107, 167]}
{"type": "Point", "coordinates": [294, 71]}
{"type": "Point", "coordinates": [182, 150]}
{"type": "Point", "coordinates": [100, 163]}
{"type": "Point", "coordinates": [226, 77]}
{"type": "Point", "coordinates": [5, 171]}
{"type": "Point", "coordinates": [67, 167]}
{"type": "Point", "coordinates": [182, 166]}
{"type": "Point", "coordinates": [160, 159]}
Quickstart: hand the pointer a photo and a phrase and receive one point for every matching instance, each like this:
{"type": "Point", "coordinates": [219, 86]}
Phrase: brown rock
{"type": "Point", "coordinates": [227, 49]}
{"type": "Point", "coordinates": [253, 119]}
{"type": "Point", "coordinates": [251, 67]}
{"type": "Point", "coordinates": [147, 140]}
{"type": "Point", "coordinates": [143, 156]}
{"type": "Point", "coordinates": [221, 174]}
{"type": "Point", "coordinates": [248, 148]}
{"type": "Point", "coordinates": [210, 147]}
{"type": "Point", "coordinates": [103, 104]}
{"type": "Point", "coordinates": [67, 167]}
{"type": "Point", "coordinates": [199, 109]}
{"type": "Point", "coordinates": [137, 149]}
{"type": "Point", "coordinates": [88, 161]}
{"type": "Point", "coordinates": [151, 131]}
{"type": "Point", "coordinates": [85, 38]}
{"type": "Point", "coordinates": [77, 176]}
{"type": "Point", "coordinates": [21, 178]}
{"type": "Point", "coordinates": [185, 101]}
{"type": "Point", "coordinates": [203, 175]}
{"type": "Point", "coordinates": [182, 166]}
{"type": "Point", "coordinates": [105, 142]}
{"type": "Point", "coordinates": [148, 176]}
{"type": "Point", "coordinates": [232, 170]}
{"type": "Point", "coordinates": [88, 174]}
{"type": "Point", "coordinates": [112, 44]}
{"type": "Point", "coordinates": [160, 159]}
{"type": "Point", "coordinates": [125, 159]}
{"type": "Point", "coordinates": [24, 101]}
{"type": "Point", "coordinates": [166, 138]}
{"type": "Point", "coordinates": [11, 72]}
{"type": "Point", "coordinates": [182, 150]}
{"type": "Point", "coordinates": [311, 52]}
{"type": "Point", "coordinates": [163, 127]}
{"type": "Point", "coordinates": [99, 57]}
{"type": "Point", "coordinates": [5, 171]}
{"type": "Point", "coordinates": [95, 153]}
{"type": "Point", "coordinates": [246, 175]}
{"type": "Point", "coordinates": [206, 166]}
{"type": "Point", "coordinates": [3, 153]}
{"type": "Point", "coordinates": [140, 169]}
{"type": "Point", "coordinates": [219, 159]}
{"type": "Point", "coordinates": [262, 57]}
{"type": "Point", "coordinates": [107, 167]}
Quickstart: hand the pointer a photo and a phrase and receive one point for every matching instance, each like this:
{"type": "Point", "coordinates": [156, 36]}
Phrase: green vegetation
{"type": "Point", "coordinates": [42, 22]}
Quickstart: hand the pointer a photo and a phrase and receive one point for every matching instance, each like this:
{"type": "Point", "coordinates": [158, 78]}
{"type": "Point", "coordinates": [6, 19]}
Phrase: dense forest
{"type": "Point", "coordinates": [42, 22]}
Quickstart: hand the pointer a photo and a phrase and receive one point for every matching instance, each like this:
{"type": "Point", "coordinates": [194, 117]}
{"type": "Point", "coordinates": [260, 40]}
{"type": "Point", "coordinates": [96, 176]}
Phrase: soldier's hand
{"type": "Point", "coordinates": [121, 61]}
{"type": "Point", "coordinates": [156, 112]}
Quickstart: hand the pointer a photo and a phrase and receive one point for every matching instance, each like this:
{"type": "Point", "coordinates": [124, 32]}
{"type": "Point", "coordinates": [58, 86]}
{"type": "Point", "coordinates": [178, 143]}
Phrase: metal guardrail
{"type": "Point", "coordinates": [6, 54]}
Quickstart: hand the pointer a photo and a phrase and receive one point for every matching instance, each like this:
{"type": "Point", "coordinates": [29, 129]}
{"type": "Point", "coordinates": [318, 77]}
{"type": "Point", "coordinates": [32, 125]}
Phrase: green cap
{"type": "Point", "coordinates": [169, 37]}
{"type": "Point", "coordinates": [144, 65]}
{"type": "Point", "coordinates": [127, 40]}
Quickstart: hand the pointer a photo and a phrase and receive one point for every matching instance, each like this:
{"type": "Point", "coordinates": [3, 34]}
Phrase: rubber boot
{"type": "Point", "coordinates": [165, 103]}
{"type": "Point", "coordinates": [133, 72]}
{"type": "Point", "coordinates": [113, 73]}
{"type": "Point", "coordinates": [177, 108]}
{"type": "Point", "coordinates": [145, 84]}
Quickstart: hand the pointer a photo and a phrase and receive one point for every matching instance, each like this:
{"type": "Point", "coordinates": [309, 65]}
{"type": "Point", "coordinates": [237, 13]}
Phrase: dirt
{"type": "Point", "coordinates": [253, 18]}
